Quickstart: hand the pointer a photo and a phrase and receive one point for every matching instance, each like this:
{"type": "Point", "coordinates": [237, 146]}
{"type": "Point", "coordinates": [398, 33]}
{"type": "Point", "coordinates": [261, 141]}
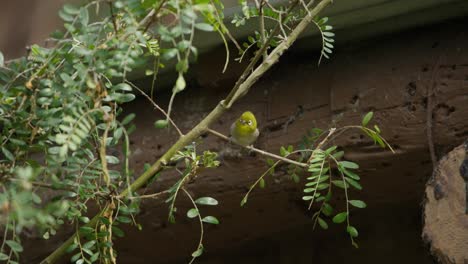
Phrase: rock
{"type": "Point", "coordinates": [445, 216]}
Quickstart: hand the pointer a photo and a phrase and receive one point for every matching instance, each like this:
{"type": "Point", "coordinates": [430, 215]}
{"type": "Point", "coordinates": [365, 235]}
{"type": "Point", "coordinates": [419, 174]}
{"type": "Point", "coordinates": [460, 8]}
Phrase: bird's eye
{"type": "Point", "coordinates": [249, 122]}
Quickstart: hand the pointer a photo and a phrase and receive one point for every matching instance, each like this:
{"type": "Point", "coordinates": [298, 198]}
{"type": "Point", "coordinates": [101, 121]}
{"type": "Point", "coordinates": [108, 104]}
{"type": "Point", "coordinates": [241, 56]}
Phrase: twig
{"type": "Point", "coordinates": [430, 94]}
{"type": "Point", "coordinates": [103, 157]}
{"type": "Point", "coordinates": [246, 196]}
{"type": "Point", "coordinates": [261, 152]}
{"type": "Point", "coordinates": [153, 17]}
{"type": "Point", "coordinates": [157, 107]}
{"type": "Point", "coordinates": [258, 55]}
{"type": "Point", "coordinates": [223, 27]}
{"type": "Point", "coordinates": [262, 27]}
{"type": "Point", "coordinates": [148, 196]}
{"type": "Point", "coordinates": [111, 8]}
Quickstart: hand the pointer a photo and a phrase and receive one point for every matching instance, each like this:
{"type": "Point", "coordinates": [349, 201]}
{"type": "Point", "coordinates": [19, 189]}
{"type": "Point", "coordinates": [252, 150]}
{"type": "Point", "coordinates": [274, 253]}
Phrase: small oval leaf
{"type": "Point", "coordinates": [358, 203]}
{"type": "Point", "coordinates": [206, 201]}
{"type": "Point", "coordinates": [192, 213]}
{"type": "Point", "coordinates": [322, 223]}
{"type": "Point", "coordinates": [340, 218]}
{"type": "Point", "coordinates": [352, 231]}
{"type": "Point", "coordinates": [367, 118]}
{"type": "Point", "coordinates": [210, 220]}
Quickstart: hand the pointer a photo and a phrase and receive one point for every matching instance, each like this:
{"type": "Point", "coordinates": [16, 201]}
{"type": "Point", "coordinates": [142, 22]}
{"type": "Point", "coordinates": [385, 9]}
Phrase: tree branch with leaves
{"type": "Point", "coordinates": [61, 111]}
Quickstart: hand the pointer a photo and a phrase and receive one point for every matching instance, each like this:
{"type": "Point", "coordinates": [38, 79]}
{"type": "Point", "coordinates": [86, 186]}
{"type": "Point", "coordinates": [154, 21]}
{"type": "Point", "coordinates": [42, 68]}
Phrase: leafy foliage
{"type": "Point", "coordinates": [327, 37]}
{"type": "Point", "coordinates": [62, 122]}
{"type": "Point", "coordinates": [60, 110]}
{"type": "Point", "coordinates": [326, 169]}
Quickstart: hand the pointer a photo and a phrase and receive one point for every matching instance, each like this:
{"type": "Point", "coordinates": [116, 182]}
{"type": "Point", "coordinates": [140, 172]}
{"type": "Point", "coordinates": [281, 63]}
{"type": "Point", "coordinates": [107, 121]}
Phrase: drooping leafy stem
{"type": "Point", "coordinates": [195, 212]}
{"type": "Point", "coordinates": [327, 37]}
{"type": "Point", "coordinates": [259, 180]}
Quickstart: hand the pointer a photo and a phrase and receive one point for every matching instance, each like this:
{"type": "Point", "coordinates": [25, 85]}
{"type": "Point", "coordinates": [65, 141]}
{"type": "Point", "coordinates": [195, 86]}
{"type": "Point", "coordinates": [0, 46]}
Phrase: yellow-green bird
{"type": "Point", "coordinates": [244, 130]}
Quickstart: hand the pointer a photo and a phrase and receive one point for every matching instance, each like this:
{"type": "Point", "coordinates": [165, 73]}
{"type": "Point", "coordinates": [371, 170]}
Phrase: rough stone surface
{"type": "Point", "coordinates": [445, 220]}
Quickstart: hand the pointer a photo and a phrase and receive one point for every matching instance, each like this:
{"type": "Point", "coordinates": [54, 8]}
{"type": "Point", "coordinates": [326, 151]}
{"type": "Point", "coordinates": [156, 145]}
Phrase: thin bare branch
{"type": "Point", "coordinates": [259, 151]}
{"type": "Point", "coordinates": [157, 107]}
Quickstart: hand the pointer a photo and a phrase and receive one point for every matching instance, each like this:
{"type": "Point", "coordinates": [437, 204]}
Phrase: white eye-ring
{"type": "Point", "coordinates": [249, 122]}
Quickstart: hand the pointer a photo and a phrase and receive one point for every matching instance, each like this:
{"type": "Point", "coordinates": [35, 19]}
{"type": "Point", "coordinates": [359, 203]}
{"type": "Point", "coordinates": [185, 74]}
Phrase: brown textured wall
{"type": "Point", "coordinates": [389, 75]}
{"type": "Point", "coordinates": [26, 22]}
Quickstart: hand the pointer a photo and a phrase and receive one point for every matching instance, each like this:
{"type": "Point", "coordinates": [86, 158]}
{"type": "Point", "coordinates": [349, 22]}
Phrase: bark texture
{"type": "Point", "coordinates": [445, 217]}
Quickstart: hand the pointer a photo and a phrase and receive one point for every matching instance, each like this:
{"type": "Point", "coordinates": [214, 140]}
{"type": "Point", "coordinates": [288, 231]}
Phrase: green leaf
{"type": "Point", "coordinates": [206, 201]}
{"type": "Point", "coordinates": [169, 54]}
{"type": "Point", "coordinates": [15, 246]}
{"type": "Point", "coordinates": [2, 59]}
{"type": "Point", "coordinates": [84, 16]}
{"type": "Point", "coordinates": [367, 118]}
{"type": "Point", "coordinates": [204, 27]}
{"type": "Point", "coordinates": [340, 184]}
{"type": "Point", "coordinates": [161, 123]}
{"type": "Point", "coordinates": [86, 230]}
{"type": "Point", "coordinates": [117, 231]}
{"type": "Point", "coordinates": [112, 159]}
{"type": "Point", "coordinates": [244, 201]}
{"type": "Point", "coordinates": [89, 244]}
{"type": "Point", "coordinates": [338, 155]}
{"type": "Point", "coordinates": [124, 219]}
{"type": "Point", "coordinates": [262, 183]}
{"type": "Point", "coordinates": [377, 128]}
{"type": "Point", "coordinates": [327, 209]}
{"type": "Point", "coordinates": [351, 174]}
{"type": "Point", "coordinates": [307, 198]}
{"type": "Point", "coordinates": [283, 151]}
{"type": "Point", "coordinates": [210, 220]}
{"type": "Point", "coordinates": [354, 183]}
{"type": "Point", "coordinates": [348, 164]}
{"type": "Point", "coordinates": [66, 17]}
{"type": "Point", "coordinates": [296, 178]}
{"type": "Point", "coordinates": [121, 97]}
{"type": "Point", "coordinates": [358, 203]}
{"type": "Point", "coordinates": [3, 256]}
{"type": "Point", "coordinates": [8, 154]}
{"type": "Point", "coordinates": [323, 20]}
{"type": "Point", "coordinates": [192, 213]}
{"type": "Point", "coordinates": [71, 248]}
{"type": "Point", "coordinates": [198, 252]}
{"type": "Point", "coordinates": [123, 87]}
{"type": "Point", "coordinates": [84, 219]}
{"type": "Point", "coordinates": [352, 231]}
{"type": "Point", "coordinates": [322, 179]}
{"type": "Point", "coordinates": [340, 218]}
{"type": "Point", "coordinates": [70, 9]}
{"type": "Point", "coordinates": [270, 162]}
{"type": "Point", "coordinates": [330, 149]}
{"type": "Point", "coordinates": [180, 84]}
{"type": "Point", "coordinates": [75, 257]}
{"type": "Point", "coordinates": [322, 223]}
